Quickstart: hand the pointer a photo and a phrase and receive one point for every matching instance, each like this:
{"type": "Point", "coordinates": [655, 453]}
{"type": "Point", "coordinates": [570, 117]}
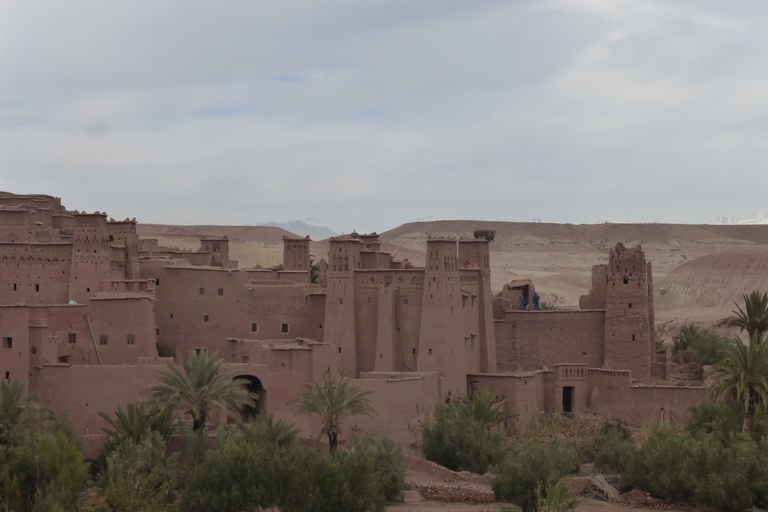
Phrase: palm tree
{"type": "Point", "coordinates": [137, 422]}
{"type": "Point", "coordinates": [199, 386]}
{"type": "Point", "coordinates": [13, 406]}
{"type": "Point", "coordinates": [742, 376]}
{"type": "Point", "coordinates": [333, 402]}
{"type": "Point", "coordinates": [483, 409]}
{"type": "Point", "coordinates": [753, 318]}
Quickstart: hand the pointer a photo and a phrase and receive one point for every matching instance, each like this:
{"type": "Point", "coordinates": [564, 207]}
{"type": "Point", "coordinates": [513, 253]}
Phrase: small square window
{"type": "Point", "coordinates": [72, 337]}
{"type": "Point", "coordinates": [7, 342]}
{"type": "Point", "coordinates": [206, 319]}
{"type": "Point", "coordinates": [201, 291]}
{"type": "Point", "coordinates": [130, 339]}
{"type": "Point", "coordinates": [103, 339]}
{"type": "Point", "coordinates": [221, 291]}
{"type": "Point", "coordinates": [283, 327]}
{"type": "Point", "coordinates": [254, 327]}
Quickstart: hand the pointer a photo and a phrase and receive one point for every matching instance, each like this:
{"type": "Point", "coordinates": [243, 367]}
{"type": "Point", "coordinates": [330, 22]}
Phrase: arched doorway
{"type": "Point", "coordinates": [254, 385]}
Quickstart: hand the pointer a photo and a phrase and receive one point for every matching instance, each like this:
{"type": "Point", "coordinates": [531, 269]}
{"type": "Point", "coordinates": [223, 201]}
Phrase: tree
{"type": "Point", "coordinates": [135, 423]}
{"type": "Point", "coordinates": [483, 409]}
{"type": "Point", "coordinates": [13, 406]}
{"type": "Point", "coordinates": [753, 318]}
{"type": "Point", "coordinates": [199, 386]}
{"type": "Point", "coordinates": [314, 271]}
{"type": "Point", "coordinates": [333, 402]}
{"type": "Point", "coordinates": [742, 376]}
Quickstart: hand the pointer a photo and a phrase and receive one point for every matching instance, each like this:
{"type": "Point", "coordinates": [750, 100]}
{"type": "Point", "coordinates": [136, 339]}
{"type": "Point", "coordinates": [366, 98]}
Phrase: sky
{"type": "Point", "coordinates": [371, 114]}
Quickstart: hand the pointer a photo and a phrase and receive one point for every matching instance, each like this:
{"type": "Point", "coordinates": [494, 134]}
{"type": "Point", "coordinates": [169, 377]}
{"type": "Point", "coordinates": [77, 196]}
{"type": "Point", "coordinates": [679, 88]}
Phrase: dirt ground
{"type": "Point", "coordinates": [422, 473]}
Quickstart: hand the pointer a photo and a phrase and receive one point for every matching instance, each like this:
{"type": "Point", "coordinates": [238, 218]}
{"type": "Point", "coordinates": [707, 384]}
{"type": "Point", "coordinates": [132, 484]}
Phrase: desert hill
{"type": "Point", "coordinates": [699, 270]}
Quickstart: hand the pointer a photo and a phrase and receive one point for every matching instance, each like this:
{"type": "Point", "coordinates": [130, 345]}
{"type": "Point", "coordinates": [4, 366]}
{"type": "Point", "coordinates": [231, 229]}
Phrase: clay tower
{"type": "Point", "coordinates": [441, 343]}
{"type": "Point", "coordinates": [629, 330]}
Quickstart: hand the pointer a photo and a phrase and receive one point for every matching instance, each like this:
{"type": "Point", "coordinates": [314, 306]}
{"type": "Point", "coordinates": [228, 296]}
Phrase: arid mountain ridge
{"type": "Point", "coordinates": [699, 270]}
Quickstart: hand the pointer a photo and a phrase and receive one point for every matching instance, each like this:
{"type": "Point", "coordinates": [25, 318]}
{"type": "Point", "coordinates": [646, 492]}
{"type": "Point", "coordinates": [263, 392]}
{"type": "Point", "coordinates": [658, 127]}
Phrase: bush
{"type": "Point", "coordinates": [460, 443]}
{"type": "Point", "coordinates": [234, 475]}
{"type": "Point", "coordinates": [526, 477]}
{"type": "Point", "coordinates": [47, 466]}
{"type": "Point", "coordinates": [242, 473]}
{"type": "Point", "coordinates": [709, 347]}
{"type": "Point", "coordinates": [388, 463]}
{"type": "Point", "coordinates": [725, 472]}
{"type": "Point", "coordinates": [138, 477]}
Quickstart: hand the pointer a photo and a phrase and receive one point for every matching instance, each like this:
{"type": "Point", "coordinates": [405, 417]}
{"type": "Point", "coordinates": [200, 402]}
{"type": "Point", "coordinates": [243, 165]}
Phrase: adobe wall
{"type": "Point", "coordinates": [81, 392]}
{"type": "Point", "coordinates": [401, 401]}
{"type": "Point", "coordinates": [203, 307]}
{"type": "Point", "coordinates": [595, 299]}
{"type": "Point", "coordinates": [35, 273]}
{"type": "Point", "coordinates": [526, 392]}
{"type": "Point", "coordinates": [639, 404]}
{"type": "Point", "coordinates": [16, 225]}
{"type": "Point", "coordinates": [387, 311]}
{"type": "Point", "coordinates": [575, 377]}
{"type": "Point", "coordinates": [123, 330]}
{"type": "Point", "coordinates": [91, 256]}
{"type": "Point", "coordinates": [14, 343]}
{"type": "Point", "coordinates": [529, 340]}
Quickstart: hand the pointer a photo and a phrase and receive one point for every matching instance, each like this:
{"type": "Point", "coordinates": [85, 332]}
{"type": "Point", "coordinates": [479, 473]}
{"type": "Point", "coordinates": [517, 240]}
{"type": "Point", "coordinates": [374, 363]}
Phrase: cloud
{"type": "Point", "coordinates": [371, 114]}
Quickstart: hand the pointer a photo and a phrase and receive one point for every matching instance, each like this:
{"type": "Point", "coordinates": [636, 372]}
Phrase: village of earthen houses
{"type": "Point", "coordinates": [89, 312]}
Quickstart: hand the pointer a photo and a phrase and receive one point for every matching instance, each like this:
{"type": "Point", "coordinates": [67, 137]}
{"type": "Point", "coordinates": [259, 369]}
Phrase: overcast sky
{"type": "Point", "coordinates": [370, 114]}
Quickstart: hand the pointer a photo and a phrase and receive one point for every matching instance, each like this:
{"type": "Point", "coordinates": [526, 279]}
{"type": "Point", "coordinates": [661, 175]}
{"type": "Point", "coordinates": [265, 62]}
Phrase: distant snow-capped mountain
{"type": "Point", "coordinates": [314, 228]}
{"type": "Point", "coordinates": [757, 218]}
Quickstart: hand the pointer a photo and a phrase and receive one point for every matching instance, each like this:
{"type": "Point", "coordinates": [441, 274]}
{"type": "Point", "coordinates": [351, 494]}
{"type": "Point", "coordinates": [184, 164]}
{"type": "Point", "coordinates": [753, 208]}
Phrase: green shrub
{"type": "Point", "coordinates": [459, 442]}
{"type": "Point", "coordinates": [708, 346]}
{"type": "Point", "coordinates": [531, 471]}
{"type": "Point", "coordinates": [234, 475]}
{"type": "Point", "coordinates": [388, 464]}
{"type": "Point", "coordinates": [620, 455]}
{"type": "Point", "coordinates": [48, 466]}
{"type": "Point", "coordinates": [726, 471]}
{"type": "Point", "coordinates": [138, 477]}
{"type": "Point", "coordinates": [245, 472]}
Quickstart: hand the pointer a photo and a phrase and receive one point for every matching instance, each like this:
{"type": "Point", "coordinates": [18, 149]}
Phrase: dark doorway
{"type": "Point", "coordinates": [254, 385]}
{"type": "Point", "coordinates": [568, 400]}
